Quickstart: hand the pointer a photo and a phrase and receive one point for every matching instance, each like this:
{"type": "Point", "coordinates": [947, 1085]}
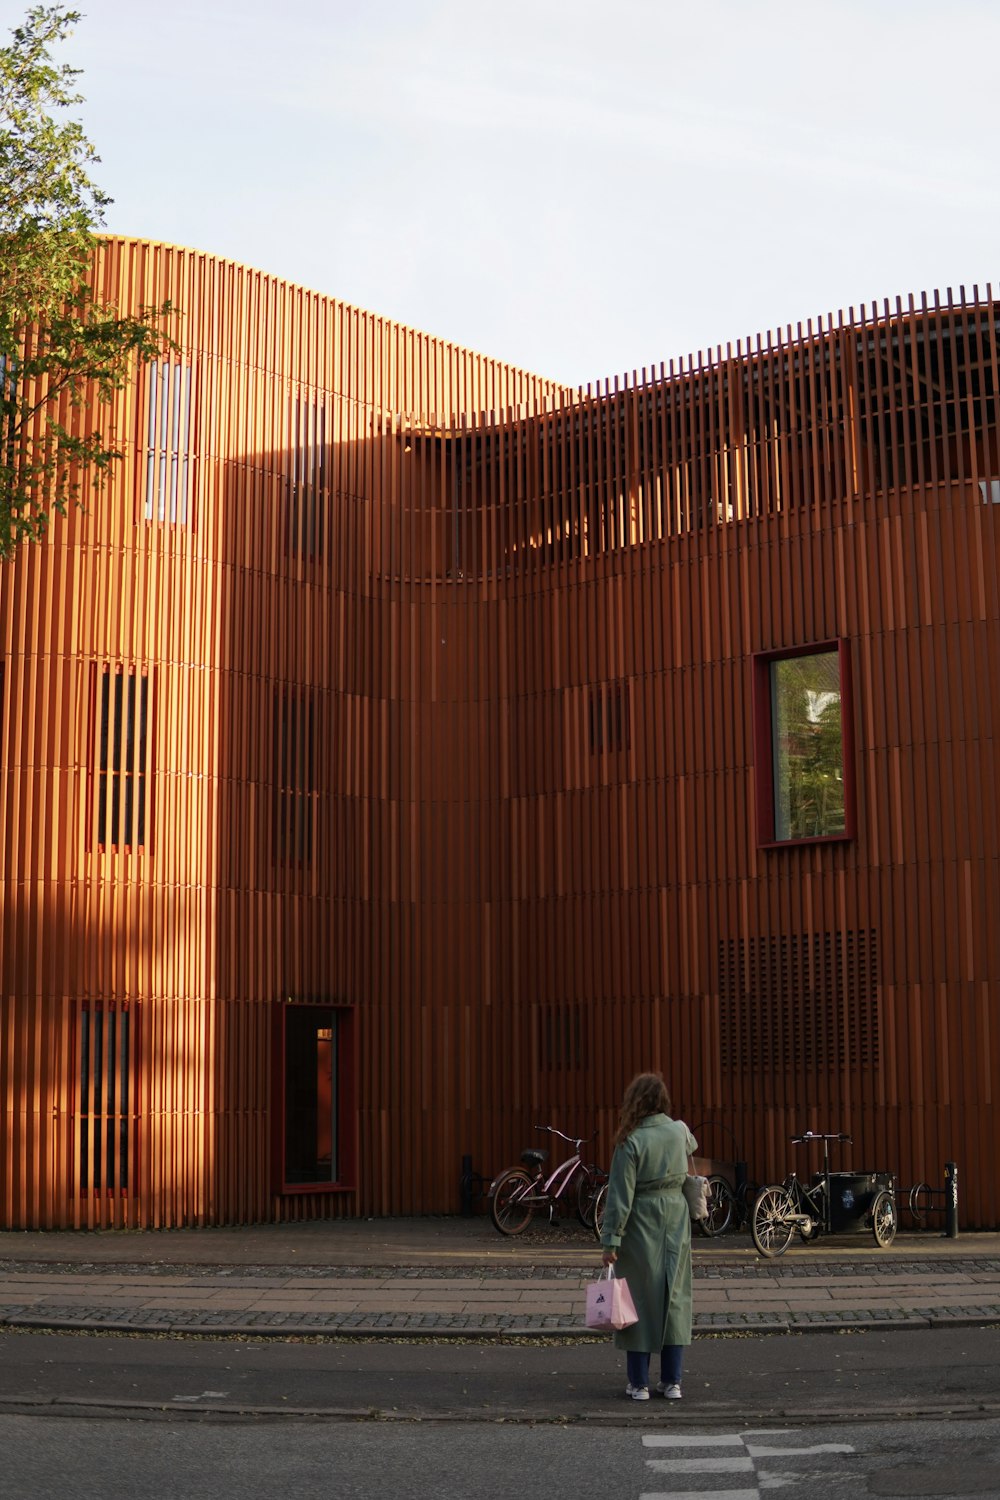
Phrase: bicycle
{"type": "Point", "coordinates": [723, 1203]}
{"type": "Point", "coordinates": [727, 1205]}
{"type": "Point", "coordinates": [790, 1207]}
{"type": "Point", "coordinates": [516, 1193]}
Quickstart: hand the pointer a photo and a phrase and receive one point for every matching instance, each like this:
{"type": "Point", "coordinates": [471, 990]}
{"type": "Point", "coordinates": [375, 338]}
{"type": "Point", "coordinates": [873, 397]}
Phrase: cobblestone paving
{"type": "Point", "coordinates": [189, 1320]}
{"type": "Point", "coordinates": [795, 1265]}
{"type": "Point", "coordinates": [803, 1290]}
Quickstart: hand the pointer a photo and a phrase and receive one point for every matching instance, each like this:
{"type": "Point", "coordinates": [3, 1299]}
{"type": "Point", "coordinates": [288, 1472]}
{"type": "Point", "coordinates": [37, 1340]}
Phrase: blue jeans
{"type": "Point", "coordinates": [671, 1364]}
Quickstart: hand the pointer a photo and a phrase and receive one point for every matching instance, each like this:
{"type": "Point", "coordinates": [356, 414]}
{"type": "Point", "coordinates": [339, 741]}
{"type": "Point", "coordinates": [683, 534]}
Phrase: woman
{"type": "Point", "coordinates": [646, 1233]}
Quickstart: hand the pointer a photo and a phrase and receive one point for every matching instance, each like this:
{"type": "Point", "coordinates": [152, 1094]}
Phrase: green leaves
{"type": "Point", "coordinates": [71, 363]}
{"type": "Point", "coordinates": [61, 352]}
{"type": "Point", "coordinates": [49, 206]}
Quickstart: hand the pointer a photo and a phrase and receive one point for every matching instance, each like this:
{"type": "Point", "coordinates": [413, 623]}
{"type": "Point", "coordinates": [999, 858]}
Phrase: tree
{"type": "Point", "coordinates": [63, 354]}
{"type": "Point", "coordinates": [810, 747]}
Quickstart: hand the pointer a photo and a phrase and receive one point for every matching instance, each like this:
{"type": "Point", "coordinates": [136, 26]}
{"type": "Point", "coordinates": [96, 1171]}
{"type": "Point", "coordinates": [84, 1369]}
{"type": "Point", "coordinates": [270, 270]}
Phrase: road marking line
{"type": "Point", "coordinates": [759, 1450]}
{"type": "Point", "coordinates": [700, 1465]}
{"type": "Point", "coordinates": [753, 1494]}
{"type": "Point", "coordinates": [694, 1440]}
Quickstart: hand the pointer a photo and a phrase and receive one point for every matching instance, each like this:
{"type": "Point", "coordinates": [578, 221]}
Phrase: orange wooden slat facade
{"type": "Point", "coordinates": [446, 677]}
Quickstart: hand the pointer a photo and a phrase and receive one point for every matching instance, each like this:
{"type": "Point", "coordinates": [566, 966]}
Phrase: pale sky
{"type": "Point", "coordinates": [581, 188]}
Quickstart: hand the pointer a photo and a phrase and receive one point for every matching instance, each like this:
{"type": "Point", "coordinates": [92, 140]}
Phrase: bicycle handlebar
{"type": "Point", "coordinates": [812, 1135]}
{"type": "Point", "coordinates": [583, 1141]}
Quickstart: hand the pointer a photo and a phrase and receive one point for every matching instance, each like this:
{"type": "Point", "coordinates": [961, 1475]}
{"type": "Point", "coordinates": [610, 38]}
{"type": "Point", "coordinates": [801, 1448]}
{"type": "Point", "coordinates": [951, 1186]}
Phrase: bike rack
{"type": "Point", "coordinates": [922, 1199]}
{"type": "Point", "coordinates": [472, 1188]}
{"type": "Point", "coordinates": [919, 1201]}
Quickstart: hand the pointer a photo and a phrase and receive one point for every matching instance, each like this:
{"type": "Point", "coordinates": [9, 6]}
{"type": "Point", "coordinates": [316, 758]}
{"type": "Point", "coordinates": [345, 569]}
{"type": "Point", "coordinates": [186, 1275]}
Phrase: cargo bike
{"type": "Point", "coordinates": [834, 1203]}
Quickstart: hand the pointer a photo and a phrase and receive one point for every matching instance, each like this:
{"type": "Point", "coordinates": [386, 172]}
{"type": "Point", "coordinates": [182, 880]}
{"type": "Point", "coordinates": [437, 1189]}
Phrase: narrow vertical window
{"type": "Point", "coordinates": [315, 1134]}
{"type": "Point", "coordinates": [610, 718]}
{"type": "Point", "coordinates": [295, 776]}
{"type": "Point", "coordinates": [311, 1144]}
{"type": "Point", "coordinates": [804, 751]}
{"type": "Point", "coordinates": [105, 1108]}
{"type": "Point", "coordinates": [308, 478]}
{"type": "Point", "coordinates": [168, 430]}
{"type": "Point", "coordinates": [122, 753]}
{"type": "Point", "coordinates": [596, 720]}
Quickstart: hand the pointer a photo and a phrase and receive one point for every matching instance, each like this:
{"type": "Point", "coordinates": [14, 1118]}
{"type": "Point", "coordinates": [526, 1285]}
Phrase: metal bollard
{"type": "Point", "coordinates": [951, 1200]}
{"type": "Point", "coordinates": [466, 1187]}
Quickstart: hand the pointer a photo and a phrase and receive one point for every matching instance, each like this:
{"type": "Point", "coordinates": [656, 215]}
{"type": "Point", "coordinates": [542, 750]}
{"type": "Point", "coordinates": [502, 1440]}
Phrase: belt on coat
{"type": "Point", "coordinates": [658, 1187]}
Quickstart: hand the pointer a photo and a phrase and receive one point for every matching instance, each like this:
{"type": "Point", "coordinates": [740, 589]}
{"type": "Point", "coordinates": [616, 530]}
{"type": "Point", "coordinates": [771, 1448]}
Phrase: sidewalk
{"type": "Point", "coordinates": [448, 1278]}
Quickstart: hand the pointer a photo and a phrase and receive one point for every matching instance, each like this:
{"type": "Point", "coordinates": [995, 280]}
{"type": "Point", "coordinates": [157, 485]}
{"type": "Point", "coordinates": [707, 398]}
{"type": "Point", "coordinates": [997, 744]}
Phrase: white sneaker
{"type": "Point", "coordinates": [671, 1392]}
{"type": "Point", "coordinates": [637, 1392]}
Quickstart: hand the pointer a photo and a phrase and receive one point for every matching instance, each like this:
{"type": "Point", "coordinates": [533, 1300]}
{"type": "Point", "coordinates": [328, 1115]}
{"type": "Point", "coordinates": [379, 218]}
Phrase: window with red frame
{"type": "Point", "coordinates": [314, 1083]}
{"type": "Point", "coordinates": [804, 744]}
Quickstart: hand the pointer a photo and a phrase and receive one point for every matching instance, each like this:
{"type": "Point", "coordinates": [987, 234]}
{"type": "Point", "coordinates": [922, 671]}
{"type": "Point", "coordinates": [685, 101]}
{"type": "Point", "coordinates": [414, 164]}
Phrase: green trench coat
{"type": "Point", "coordinates": [646, 1220]}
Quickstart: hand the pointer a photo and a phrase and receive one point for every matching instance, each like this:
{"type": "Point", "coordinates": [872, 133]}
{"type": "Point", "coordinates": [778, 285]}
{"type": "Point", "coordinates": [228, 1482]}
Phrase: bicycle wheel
{"type": "Point", "coordinates": [599, 1205]}
{"type": "Point", "coordinates": [769, 1226]}
{"type": "Point", "coordinates": [586, 1196]}
{"type": "Point", "coordinates": [884, 1219]}
{"type": "Point", "coordinates": [507, 1210]}
{"type": "Point", "coordinates": [721, 1206]}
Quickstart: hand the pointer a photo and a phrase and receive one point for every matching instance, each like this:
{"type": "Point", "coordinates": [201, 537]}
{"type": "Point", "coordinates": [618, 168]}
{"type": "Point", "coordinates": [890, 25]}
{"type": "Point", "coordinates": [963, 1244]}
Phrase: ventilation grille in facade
{"type": "Point", "coordinates": [801, 1002]}
{"type": "Point", "coordinates": [106, 1098]}
{"type": "Point", "coordinates": [561, 1038]}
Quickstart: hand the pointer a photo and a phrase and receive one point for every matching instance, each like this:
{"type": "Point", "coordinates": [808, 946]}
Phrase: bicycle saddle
{"type": "Point", "coordinates": [533, 1157]}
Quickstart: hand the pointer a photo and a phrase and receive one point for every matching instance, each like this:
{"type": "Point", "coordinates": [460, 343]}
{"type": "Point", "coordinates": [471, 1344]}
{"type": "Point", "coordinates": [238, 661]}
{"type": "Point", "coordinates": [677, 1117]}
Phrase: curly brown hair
{"type": "Point", "coordinates": [646, 1095]}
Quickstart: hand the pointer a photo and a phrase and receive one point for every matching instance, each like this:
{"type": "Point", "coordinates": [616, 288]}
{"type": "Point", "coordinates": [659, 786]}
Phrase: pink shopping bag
{"type": "Point", "coordinates": [609, 1303]}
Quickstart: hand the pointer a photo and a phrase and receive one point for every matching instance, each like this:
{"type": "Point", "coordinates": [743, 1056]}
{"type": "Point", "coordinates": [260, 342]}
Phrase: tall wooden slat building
{"type": "Point", "coordinates": [407, 749]}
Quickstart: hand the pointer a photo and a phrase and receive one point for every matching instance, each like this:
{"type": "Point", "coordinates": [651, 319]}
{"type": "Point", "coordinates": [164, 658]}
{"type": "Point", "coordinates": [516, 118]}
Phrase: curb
{"type": "Point", "coordinates": [713, 1415]}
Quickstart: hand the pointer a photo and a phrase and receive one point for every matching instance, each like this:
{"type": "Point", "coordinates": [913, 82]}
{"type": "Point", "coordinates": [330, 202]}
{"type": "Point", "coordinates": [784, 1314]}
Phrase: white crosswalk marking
{"type": "Point", "coordinates": [726, 1439]}
{"type": "Point", "coordinates": [757, 1450]}
{"type": "Point", "coordinates": [683, 1455]}
{"type": "Point", "coordinates": [753, 1494]}
{"type": "Point", "coordinates": [712, 1465]}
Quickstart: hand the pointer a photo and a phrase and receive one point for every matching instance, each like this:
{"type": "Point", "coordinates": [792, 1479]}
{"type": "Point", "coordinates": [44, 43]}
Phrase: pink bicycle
{"type": "Point", "coordinates": [518, 1192]}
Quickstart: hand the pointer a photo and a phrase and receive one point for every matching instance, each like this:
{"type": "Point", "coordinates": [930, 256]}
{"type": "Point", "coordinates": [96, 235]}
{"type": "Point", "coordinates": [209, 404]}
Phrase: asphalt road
{"type": "Point", "coordinates": [118, 1460]}
{"type": "Point", "coordinates": [813, 1376]}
